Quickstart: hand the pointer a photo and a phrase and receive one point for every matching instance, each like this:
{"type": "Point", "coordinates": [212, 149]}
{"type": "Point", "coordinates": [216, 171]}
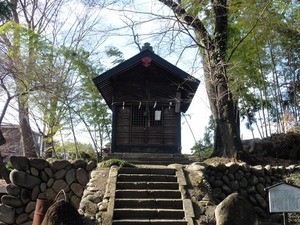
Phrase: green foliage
{"type": "Point", "coordinates": [93, 111]}
{"type": "Point", "coordinates": [201, 151]}
{"type": "Point", "coordinates": [75, 99]}
{"type": "Point", "coordinates": [66, 89]}
{"type": "Point", "coordinates": [203, 148]}
{"type": "Point", "coordinates": [201, 9]}
{"type": "Point", "coordinates": [114, 162]}
{"type": "Point", "coordinates": [67, 150]}
{"type": "Point", "coordinates": [9, 166]}
{"type": "Point", "coordinates": [263, 47]}
{"type": "Point", "coordinates": [6, 10]}
{"type": "Point", "coordinates": [116, 54]}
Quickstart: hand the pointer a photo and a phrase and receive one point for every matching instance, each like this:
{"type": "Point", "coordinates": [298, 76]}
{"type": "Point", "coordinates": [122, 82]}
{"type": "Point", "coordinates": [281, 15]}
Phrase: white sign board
{"type": "Point", "coordinates": [157, 115]}
{"type": "Point", "coordinates": [284, 198]}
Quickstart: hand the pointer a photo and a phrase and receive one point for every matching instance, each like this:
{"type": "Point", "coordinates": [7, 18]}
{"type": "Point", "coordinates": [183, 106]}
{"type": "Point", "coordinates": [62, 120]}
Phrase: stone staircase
{"type": "Point", "coordinates": [146, 195]}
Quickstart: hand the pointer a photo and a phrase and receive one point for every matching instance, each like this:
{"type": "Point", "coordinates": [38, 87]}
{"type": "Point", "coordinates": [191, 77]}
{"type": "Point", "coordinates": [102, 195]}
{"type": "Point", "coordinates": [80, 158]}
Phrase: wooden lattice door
{"type": "Point", "coordinates": [146, 125]}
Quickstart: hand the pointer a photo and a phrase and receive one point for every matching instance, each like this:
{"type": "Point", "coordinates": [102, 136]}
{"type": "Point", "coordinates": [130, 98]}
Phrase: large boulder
{"type": "Point", "coordinates": [235, 210]}
{"type": "Point", "coordinates": [286, 146]}
{"type": "Point", "coordinates": [281, 146]}
{"type": "Point", "coordinates": [260, 147]}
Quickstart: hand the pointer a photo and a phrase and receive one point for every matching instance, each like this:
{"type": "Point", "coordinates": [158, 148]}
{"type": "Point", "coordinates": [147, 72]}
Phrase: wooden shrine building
{"type": "Point", "coordinates": [146, 95]}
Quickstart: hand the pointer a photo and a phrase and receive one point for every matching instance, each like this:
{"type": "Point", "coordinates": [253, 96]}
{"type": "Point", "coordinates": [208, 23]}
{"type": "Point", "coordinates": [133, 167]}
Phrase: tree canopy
{"type": "Point", "coordinates": [246, 53]}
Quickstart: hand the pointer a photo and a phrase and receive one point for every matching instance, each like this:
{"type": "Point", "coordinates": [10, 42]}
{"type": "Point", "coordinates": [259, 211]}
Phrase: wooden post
{"type": "Point", "coordinates": [2, 138]}
{"type": "Point", "coordinates": [177, 103]}
{"type": "Point", "coordinates": [285, 218]}
{"type": "Point", "coordinates": [41, 208]}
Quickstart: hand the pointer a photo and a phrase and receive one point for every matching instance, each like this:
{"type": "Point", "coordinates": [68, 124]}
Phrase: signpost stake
{"type": "Point", "coordinates": [285, 218]}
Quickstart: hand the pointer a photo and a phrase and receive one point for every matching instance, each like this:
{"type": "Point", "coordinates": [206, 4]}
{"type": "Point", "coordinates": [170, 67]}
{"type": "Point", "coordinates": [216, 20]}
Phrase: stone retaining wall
{"type": "Point", "coordinates": [249, 181]}
{"type": "Point", "coordinates": [37, 178]}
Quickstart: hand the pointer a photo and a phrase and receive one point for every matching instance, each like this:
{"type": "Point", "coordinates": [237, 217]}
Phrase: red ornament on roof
{"type": "Point", "coordinates": [146, 61]}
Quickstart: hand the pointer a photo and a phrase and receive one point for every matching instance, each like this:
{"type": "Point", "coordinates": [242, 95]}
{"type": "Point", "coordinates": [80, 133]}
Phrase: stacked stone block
{"type": "Point", "coordinates": [249, 181]}
{"type": "Point", "coordinates": [37, 178]}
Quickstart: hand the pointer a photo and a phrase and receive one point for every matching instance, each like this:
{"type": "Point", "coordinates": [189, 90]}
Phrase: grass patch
{"type": "Point", "coordinates": [293, 178]}
{"type": "Point", "coordinates": [115, 162]}
{"type": "Point", "coordinates": [217, 160]}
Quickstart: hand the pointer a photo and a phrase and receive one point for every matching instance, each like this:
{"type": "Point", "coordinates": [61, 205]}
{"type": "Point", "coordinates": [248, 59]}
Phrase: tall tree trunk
{"type": "Point", "coordinates": [3, 170]}
{"type": "Point", "coordinates": [227, 141]}
{"type": "Point", "coordinates": [27, 139]}
{"type": "Point", "coordinates": [22, 89]}
{"type": "Point", "coordinates": [224, 108]}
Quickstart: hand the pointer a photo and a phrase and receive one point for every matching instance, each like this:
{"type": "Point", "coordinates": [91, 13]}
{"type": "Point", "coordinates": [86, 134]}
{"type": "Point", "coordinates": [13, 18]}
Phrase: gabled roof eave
{"type": "Point", "coordinates": [135, 60]}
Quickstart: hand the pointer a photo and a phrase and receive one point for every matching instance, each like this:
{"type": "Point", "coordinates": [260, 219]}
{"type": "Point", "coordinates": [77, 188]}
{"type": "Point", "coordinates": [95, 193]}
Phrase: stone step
{"type": "Point", "coordinates": [163, 162]}
{"type": "Point", "coordinates": [137, 170]}
{"type": "Point", "coordinates": [154, 193]}
{"type": "Point", "coordinates": [149, 222]}
{"type": "Point", "coordinates": [128, 213]}
{"type": "Point", "coordinates": [146, 178]}
{"type": "Point", "coordinates": [148, 185]}
{"type": "Point", "coordinates": [149, 203]}
{"type": "Point", "coordinates": [151, 158]}
{"type": "Point", "coordinates": [133, 155]}
{"type": "Point", "coordinates": [148, 195]}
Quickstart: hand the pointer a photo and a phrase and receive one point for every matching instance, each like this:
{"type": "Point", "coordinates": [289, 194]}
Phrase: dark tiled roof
{"type": "Point", "coordinates": [104, 81]}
